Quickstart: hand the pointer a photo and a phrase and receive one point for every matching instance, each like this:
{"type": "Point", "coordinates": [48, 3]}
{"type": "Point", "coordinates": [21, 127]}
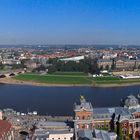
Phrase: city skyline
{"type": "Point", "coordinates": [69, 22]}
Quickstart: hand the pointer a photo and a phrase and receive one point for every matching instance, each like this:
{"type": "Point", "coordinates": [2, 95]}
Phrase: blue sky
{"type": "Point", "coordinates": [69, 21]}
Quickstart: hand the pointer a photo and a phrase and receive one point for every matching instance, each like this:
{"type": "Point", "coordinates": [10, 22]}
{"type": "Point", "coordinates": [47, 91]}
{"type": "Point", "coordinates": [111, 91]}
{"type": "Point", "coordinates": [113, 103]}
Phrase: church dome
{"type": "Point", "coordinates": [131, 102]}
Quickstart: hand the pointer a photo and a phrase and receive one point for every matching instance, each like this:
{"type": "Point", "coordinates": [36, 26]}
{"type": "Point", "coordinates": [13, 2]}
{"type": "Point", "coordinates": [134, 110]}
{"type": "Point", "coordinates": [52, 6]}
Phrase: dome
{"type": "Point", "coordinates": [131, 102]}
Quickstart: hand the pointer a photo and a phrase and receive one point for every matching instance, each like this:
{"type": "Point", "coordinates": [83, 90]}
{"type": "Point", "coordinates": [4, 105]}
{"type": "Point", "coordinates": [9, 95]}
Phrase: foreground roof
{"type": "Point", "coordinates": [106, 112]}
{"type": "Point", "coordinates": [83, 105]}
{"type": "Point", "coordinates": [5, 127]}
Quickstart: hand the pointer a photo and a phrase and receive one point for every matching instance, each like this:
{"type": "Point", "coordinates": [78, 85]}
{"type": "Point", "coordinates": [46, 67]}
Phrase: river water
{"type": "Point", "coordinates": [59, 100]}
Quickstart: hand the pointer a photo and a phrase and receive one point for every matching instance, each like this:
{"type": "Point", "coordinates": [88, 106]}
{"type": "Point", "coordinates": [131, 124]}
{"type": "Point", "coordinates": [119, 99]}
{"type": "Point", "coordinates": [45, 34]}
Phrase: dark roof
{"type": "Point", "coordinates": [85, 134]}
{"type": "Point", "coordinates": [106, 112]}
{"type": "Point", "coordinates": [83, 106]}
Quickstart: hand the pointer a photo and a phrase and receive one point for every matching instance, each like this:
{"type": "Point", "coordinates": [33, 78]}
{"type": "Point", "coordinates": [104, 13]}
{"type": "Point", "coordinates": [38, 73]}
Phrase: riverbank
{"type": "Point", "coordinates": [21, 82]}
{"type": "Point", "coordinates": [14, 81]}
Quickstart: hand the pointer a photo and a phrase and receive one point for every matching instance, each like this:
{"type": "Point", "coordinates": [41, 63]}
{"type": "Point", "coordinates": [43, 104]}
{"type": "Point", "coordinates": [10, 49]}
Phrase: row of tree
{"type": "Point", "coordinates": [118, 128]}
{"type": "Point", "coordinates": [87, 65]}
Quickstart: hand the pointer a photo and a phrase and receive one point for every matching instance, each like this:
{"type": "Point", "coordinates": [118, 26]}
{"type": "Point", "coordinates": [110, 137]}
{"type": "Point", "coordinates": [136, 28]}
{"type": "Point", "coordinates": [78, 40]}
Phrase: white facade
{"type": "Point", "coordinates": [52, 134]}
{"type": "Point", "coordinates": [77, 58]}
{"type": "Point", "coordinates": [60, 136]}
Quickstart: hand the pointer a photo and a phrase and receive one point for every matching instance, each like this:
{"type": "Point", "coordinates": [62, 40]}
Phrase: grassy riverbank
{"type": "Point", "coordinates": [56, 78]}
{"type": "Point", "coordinates": [72, 79]}
{"type": "Point", "coordinates": [114, 80]}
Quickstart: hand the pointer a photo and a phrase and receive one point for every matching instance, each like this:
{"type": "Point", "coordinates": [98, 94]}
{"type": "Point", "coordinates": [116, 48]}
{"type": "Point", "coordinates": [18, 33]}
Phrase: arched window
{"type": "Point", "coordinates": [88, 117]}
{"type": "Point", "coordinates": [83, 117]}
{"type": "Point", "coordinates": [77, 126]}
{"type": "Point", "coordinates": [87, 126]}
{"type": "Point", "coordinates": [83, 126]}
{"type": "Point", "coordinates": [78, 117]}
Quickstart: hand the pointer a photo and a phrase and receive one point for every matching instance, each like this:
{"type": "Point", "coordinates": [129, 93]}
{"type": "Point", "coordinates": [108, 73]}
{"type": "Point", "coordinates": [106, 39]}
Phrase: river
{"type": "Point", "coordinates": [59, 100]}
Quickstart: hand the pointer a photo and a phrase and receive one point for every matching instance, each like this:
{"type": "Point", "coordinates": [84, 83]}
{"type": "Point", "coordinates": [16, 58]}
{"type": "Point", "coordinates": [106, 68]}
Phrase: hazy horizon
{"type": "Point", "coordinates": [69, 22]}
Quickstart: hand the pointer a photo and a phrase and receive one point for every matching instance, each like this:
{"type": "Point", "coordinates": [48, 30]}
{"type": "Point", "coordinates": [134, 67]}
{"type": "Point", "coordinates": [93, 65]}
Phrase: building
{"type": "Point", "coordinates": [30, 64]}
{"type": "Point", "coordinates": [84, 111]}
{"type": "Point", "coordinates": [84, 123]}
{"type": "Point", "coordinates": [76, 59]}
{"type": "Point", "coordinates": [11, 61]}
{"type": "Point", "coordinates": [52, 135]}
{"type": "Point", "coordinates": [104, 135]}
{"type": "Point", "coordinates": [127, 64]}
{"type": "Point", "coordinates": [53, 131]}
{"type": "Point", "coordinates": [105, 63]}
{"type": "Point", "coordinates": [88, 118]}
{"type": "Point", "coordinates": [6, 130]}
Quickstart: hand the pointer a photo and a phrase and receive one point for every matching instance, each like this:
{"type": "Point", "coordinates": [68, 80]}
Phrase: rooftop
{"type": "Point", "coordinates": [83, 105]}
{"type": "Point", "coordinates": [5, 127]}
{"type": "Point", "coordinates": [131, 102]}
{"type": "Point", "coordinates": [105, 112]}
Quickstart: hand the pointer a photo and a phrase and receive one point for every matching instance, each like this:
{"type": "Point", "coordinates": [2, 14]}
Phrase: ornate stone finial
{"type": "Point", "coordinates": [82, 98]}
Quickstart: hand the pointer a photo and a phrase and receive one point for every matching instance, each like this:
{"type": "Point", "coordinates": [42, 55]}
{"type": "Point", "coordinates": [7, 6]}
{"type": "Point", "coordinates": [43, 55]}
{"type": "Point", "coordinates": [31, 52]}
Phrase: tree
{"type": "Point", "coordinates": [53, 60]}
{"type": "Point", "coordinates": [138, 67]}
{"type": "Point", "coordinates": [107, 67]}
{"type": "Point", "coordinates": [1, 66]}
{"type": "Point", "coordinates": [101, 67]}
{"type": "Point", "coordinates": [17, 66]}
{"type": "Point", "coordinates": [119, 129]}
{"type": "Point", "coordinates": [113, 66]}
{"type": "Point", "coordinates": [41, 68]}
{"type": "Point", "coordinates": [59, 66]}
{"type": "Point", "coordinates": [71, 66]}
{"type": "Point", "coordinates": [87, 65]}
{"type": "Point", "coordinates": [105, 128]}
{"type": "Point", "coordinates": [112, 124]}
{"type": "Point", "coordinates": [51, 69]}
{"type": "Point", "coordinates": [92, 66]}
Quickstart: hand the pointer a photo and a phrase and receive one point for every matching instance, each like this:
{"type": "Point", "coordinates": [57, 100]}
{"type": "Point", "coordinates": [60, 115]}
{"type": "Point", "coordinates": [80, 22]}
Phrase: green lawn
{"type": "Point", "coordinates": [72, 78]}
{"type": "Point", "coordinates": [106, 80]}
{"type": "Point", "coordinates": [113, 80]}
{"type": "Point", "coordinates": [54, 79]}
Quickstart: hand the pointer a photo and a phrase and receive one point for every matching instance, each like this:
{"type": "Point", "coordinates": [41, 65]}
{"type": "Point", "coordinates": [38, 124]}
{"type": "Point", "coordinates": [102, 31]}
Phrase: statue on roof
{"type": "Point", "coordinates": [82, 97]}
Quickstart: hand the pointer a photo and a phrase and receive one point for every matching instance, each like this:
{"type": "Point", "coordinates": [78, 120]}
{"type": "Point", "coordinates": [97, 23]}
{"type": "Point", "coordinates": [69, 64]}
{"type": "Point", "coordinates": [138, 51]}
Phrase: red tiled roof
{"type": "Point", "coordinates": [5, 127]}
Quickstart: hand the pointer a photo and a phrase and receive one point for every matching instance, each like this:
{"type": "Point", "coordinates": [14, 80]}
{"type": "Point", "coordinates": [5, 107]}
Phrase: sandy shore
{"type": "Point", "coordinates": [14, 81]}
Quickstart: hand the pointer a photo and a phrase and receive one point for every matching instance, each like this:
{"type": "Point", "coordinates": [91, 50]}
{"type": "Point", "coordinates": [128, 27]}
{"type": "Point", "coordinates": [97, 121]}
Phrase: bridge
{"type": "Point", "coordinates": [4, 74]}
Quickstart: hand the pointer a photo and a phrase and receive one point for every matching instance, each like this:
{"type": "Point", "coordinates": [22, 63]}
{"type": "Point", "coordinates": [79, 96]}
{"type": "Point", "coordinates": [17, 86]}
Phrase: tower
{"type": "Point", "coordinates": [83, 115]}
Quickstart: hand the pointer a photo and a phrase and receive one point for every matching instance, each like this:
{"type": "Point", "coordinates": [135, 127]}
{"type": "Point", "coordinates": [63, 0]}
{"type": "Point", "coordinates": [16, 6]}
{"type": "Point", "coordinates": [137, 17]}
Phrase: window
{"type": "Point", "coordinates": [87, 125]}
{"type": "Point", "coordinates": [137, 124]}
{"type": "Point", "coordinates": [83, 126]}
{"type": "Point", "coordinates": [124, 131]}
{"type": "Point", "coordinates": [83, 117]}
{"type": "Point", "coordinates": [102, 125]}
{"type": "Point", "coordinates": [98, 125]}
{"type": "Point", "coordinates": [88, 117]}
{"type": "Point", "coordinates": [78, 117]}
{"type": "Point", "coordinates": [107, 125]}
{"type": "Point", "coordinates": [106, 116]}
{"type": "Point", "coordinates": [77, 126]}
